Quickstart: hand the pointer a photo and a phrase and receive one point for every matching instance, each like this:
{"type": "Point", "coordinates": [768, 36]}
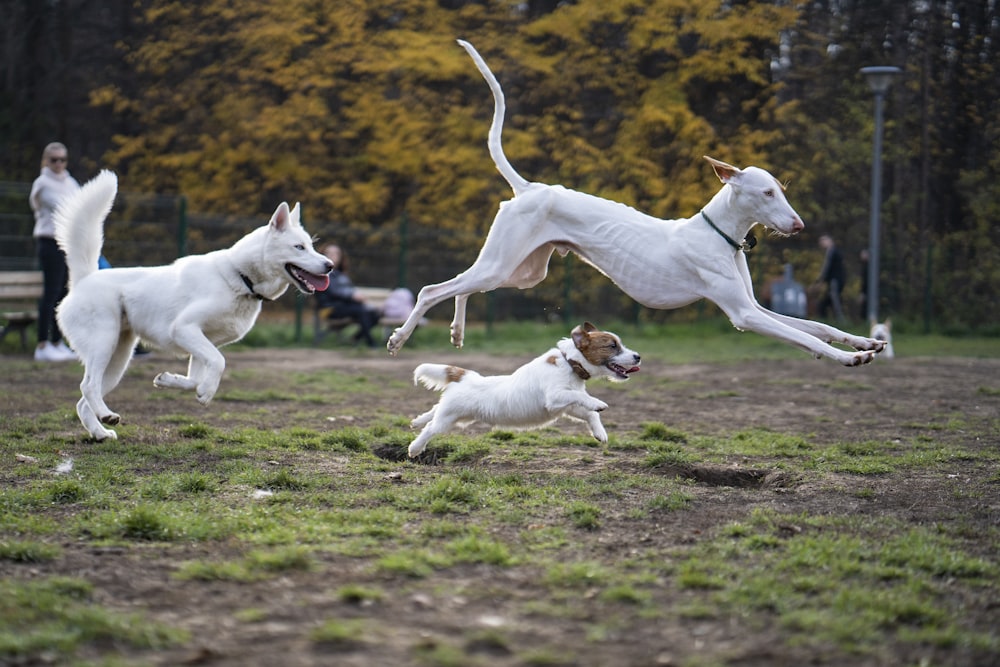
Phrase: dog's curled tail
{"type": "Point", "coordinates": [79, 221]}
{"type": "Point", "coordinates": [517, 182]}
{"type": "Point", "coordinates": [437, 376]}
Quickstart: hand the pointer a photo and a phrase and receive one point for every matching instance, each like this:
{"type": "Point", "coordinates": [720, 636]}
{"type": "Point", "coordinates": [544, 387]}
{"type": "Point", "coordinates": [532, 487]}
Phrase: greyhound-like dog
{"type": "Point", "coordinates": [659, 263]}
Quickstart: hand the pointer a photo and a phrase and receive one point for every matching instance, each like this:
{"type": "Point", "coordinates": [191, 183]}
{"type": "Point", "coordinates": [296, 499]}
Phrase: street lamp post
{"type": "Point", "coordinates": [879, 79]}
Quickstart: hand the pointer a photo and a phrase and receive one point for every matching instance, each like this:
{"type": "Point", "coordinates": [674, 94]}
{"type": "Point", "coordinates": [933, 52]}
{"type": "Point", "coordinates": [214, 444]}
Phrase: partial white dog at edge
{"type": "Point", "coordinates": [883, 331]}
{"type": "Point", "coordinates": [660, 263]}
{"type": "Point", "coordinates": [189, 308]}
{"type": "Point", "coordinates": [535, 395]}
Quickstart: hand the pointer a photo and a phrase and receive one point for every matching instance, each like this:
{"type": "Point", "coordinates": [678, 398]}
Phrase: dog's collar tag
{"type": "Point", "coordinates": [748, 242]}
{"type": "Point", "coordinates": [577, 367]}
{"type": "Point", "coordinates": [249, 284]}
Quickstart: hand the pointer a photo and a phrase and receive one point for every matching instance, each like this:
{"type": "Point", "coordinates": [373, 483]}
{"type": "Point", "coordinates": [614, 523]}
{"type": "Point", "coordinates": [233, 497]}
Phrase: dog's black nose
{"type": "Point", "coordinates": [638, 358]}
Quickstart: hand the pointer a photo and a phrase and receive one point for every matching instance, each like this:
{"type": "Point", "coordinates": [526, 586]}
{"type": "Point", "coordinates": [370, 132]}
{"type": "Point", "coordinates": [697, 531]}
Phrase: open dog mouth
{"type": "Point", "coordinates": [307, 282]}
{"type": "Point", "coordinates": [621, 371]}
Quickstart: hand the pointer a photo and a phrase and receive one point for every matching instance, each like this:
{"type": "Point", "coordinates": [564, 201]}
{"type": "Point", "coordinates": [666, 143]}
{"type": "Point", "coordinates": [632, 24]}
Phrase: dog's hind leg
{"type": "Point", "coordinates": [423, 419]}
{"type": "Point", "coordinates": [458, 322]}
{"type": "Point", "coordinates": [92, 423]}
{"type": "Point", "coordinates": [500, 264]}
{"type": "Point", "coordinates": [113, 372]}
{"type": "Point", "coordinates": [439, 424]}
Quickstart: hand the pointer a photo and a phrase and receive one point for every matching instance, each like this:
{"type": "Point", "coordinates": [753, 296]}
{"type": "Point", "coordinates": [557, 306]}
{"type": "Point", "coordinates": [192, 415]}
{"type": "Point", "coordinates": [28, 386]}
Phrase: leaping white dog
{"type": "Point", "coordinates": [536, 394]}
{"type": "Point", "coordinates": [659, 263]}
{"type": "Point", "coordinates": [189, 308]}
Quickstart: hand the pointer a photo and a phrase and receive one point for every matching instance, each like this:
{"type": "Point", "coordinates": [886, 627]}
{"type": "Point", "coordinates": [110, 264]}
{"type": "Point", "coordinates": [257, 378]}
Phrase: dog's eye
{"type": "Point", "coordinates": [769, 194]}
{"type": "Point", "coordinates": [299, 246]}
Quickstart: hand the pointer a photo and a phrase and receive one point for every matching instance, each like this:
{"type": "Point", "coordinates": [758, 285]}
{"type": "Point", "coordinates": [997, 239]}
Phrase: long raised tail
{"type": "Point", "coordinates": [79, 222]}
{"type": "Point", "coordinates": [437, 376]}
{"type": "Point", "coordinates": [517, 183]}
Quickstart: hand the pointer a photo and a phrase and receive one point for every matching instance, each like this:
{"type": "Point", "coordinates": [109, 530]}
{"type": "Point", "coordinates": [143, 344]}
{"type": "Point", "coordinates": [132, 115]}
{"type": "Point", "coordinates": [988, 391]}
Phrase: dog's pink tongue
{"type": "Point", "coordinates": [318, 282]}
{"type": "Point", "coordinates": [634, 369]}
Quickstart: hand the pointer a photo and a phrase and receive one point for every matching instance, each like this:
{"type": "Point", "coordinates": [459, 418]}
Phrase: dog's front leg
{"type": "Point", "coordinates": [204, 368]}
{"type": "Point", "coordinates": [565, 399]}
{"type": "Point", "coordinates": [823, 332]}
{"type": "Point", "coordinates": [752, 318]}
{"type": "Point", "coordinates": [593, 420]}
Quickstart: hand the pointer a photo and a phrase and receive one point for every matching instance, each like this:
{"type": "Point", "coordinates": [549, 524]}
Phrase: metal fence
{"type": "Point", "coordinates": [150, 229]}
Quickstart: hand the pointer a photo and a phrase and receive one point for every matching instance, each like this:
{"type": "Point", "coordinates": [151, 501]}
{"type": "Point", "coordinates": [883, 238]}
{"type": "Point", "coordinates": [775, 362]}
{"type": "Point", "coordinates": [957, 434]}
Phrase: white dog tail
{"type": "Point", "coordinates": [79, 220]}
{"type": "Point", "coordinates": [517, 183]}
{"type": "Point", "coordinates": [438, 376]}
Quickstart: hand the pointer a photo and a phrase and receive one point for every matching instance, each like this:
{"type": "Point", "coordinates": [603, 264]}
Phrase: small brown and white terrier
{"type": "Point", "coordinates": [535, 395]}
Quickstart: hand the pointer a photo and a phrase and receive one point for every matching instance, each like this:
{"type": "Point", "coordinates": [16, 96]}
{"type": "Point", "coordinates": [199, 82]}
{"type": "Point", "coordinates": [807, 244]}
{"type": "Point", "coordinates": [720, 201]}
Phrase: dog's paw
{"type": "Point", "coordinates": [104, 434]}
{"type": "Point", "coordinates": [599, 406]}
{"type": "Point", "coordinates": [859, 358]}
{"type": "Point", "coordinates": [111, 419]}
{"type": "Point", "coordinates": [206, 397]}
{"type": "Point", "coordinates": [601, 435]}
{"type": "Point", "coordinates": [165, 379]}
{"type": "Point", "coordinates": [414, 450]}
{"type": "Point", "coordinates": [868, 345]}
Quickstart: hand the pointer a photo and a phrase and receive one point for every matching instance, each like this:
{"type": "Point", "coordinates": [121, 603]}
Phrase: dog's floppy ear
{"type": "Point", "coordinates": [580, 332]}
{"type": "Point", "coordinates": [281, 218]}
{"type": "Point", "coordinates": [725, 172]}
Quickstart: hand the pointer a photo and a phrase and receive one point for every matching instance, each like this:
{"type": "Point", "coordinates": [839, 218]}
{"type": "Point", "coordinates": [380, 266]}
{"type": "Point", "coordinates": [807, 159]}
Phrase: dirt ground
{"type": "Point", "coordinates": [952, 400]}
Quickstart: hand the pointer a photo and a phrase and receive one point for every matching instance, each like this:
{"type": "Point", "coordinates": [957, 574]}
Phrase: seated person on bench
{"type": "Point", "coordinates": [339, 299]}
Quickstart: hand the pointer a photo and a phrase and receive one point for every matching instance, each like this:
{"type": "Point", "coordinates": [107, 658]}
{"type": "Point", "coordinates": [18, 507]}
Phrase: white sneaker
{"type": "Point", "coordinates": [66, 353]}
{"type": "Point", "coordinates": [47, 352]}
{"type": "Point", "coordinates": [50, 352]}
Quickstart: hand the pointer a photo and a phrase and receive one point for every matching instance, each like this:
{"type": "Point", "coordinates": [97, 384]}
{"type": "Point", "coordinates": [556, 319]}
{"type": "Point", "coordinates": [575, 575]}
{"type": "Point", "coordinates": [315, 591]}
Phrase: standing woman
{"type": "Point", "coordinates": [47, 191]}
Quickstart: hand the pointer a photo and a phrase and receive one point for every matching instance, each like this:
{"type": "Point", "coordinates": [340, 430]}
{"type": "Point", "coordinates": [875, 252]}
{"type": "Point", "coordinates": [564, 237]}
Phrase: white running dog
{"type": "Point", "coordinates": [883, 331]}
{"type": "Point", "coordinates": [536, 394]}
{"type": "Point", "coordinates": [659, 263]}
{"type": "Point", "coordinates": [189, 308]}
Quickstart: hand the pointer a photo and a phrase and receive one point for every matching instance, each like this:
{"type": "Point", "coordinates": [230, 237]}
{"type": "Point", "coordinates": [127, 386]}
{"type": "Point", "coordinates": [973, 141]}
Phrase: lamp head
{"type": "Point", "coordinates": [880, 77]}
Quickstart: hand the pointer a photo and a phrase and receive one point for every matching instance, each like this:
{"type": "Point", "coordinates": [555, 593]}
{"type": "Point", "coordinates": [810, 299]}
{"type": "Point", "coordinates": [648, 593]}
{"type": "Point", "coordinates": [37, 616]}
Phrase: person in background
{"type": "Point", "coordinates": [54, 183]}
{"type": "Point", "coordinates": [833, 275]}
{"type": "Point", "coordinates": [340, 298]}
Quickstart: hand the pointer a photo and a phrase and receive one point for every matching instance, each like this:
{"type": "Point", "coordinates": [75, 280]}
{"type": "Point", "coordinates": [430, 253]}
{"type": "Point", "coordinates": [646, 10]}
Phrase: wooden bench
{"type": "Point", "coordinates": [22, 290]}
{"type": "Point", "coordinates": [372, 296]}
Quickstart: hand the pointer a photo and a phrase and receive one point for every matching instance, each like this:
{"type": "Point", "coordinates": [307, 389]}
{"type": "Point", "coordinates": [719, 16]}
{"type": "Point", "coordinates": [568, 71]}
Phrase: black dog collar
{"type": "Point", "coordinates": [249, 284]}
{"type": "Point", "coordinates": [748, 242]}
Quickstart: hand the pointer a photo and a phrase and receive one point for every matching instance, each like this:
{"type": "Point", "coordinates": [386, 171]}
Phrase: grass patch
{"type": "Point", "coordinates": [57, 615]}
{"type": "Point", "coordinates": [274, 490]}
{"type": "Point", "coordinates": [28, 552]}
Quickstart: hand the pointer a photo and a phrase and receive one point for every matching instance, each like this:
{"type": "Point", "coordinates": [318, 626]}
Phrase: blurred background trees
{"type": "Point", "coordinates": [370, 114]}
